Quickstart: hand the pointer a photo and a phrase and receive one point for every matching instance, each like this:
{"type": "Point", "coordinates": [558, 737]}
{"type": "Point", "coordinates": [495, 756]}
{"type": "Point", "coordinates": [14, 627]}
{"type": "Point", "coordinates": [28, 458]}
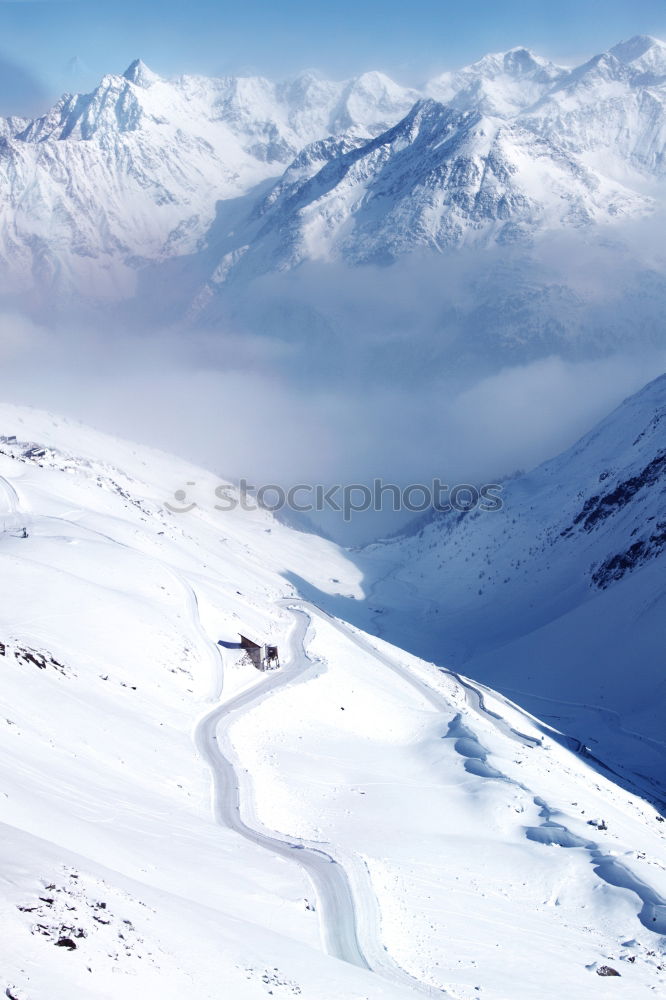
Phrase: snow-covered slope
{"type": "Point", "coordinates": [110, 611]}
{"type": "Point", "coordinates": [378, 828]}
{"type": "Point", "coordinates": [559, 598]}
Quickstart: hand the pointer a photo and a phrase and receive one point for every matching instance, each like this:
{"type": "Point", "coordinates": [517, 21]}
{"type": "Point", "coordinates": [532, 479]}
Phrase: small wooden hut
{"type": "Point", "coordinates": [253, 650]}
{"type": "Point", "coordinates": [263, 657]}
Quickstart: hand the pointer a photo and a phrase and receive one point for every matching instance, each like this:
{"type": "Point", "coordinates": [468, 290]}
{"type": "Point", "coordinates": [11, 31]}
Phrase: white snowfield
{"type": "Point", "coordinates": [357, 825]}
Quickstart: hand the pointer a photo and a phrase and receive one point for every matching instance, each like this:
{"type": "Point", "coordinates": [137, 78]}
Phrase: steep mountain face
{"type": "Point", "coordinates": [611, 110]}
{"type": "Point", "coordinates": [104, 180]}
{"type": "Point", "coordinates": [511, 148]}
{"type": "Point", "coordinates": [439, 179]}
{"type": "Point", "coordinates": [133, 171]}
{"type": "Point", "coordinates": [558, 598]}
{"type": "Point", "coordinates": [507, 149]}
{"type": "Point", "coordinates": [173, 819]}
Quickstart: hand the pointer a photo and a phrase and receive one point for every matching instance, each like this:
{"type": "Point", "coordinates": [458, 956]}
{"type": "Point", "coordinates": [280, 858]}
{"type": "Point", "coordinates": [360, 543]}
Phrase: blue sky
{"type": "Point", "coordinates": [409, 40]}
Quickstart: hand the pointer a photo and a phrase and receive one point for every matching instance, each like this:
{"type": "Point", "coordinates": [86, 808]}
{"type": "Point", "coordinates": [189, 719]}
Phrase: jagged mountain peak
{"type": "Point", "coordinates": [140, 74]}
{"type": "Point", "coordinates": [376, 86]}
{"type": "Point", "coordinates": [374, 80]}
{"type": "Point", "coordinates": [643, 48]}
{"type": "Point", "coordinates": [371, 99]}
{"type": "Point", "coordinates": [304, 87]}
{"type": "Point", "coordinates": [641, 59]}
{"type": "Point", "coordinates": [520, 60]}
{"type": "Point", "coordinates": [502, 83]}
{"type": "Point", "coordinates": [517, 61]}
{"type": "Point", "coordinates": [613, 107]}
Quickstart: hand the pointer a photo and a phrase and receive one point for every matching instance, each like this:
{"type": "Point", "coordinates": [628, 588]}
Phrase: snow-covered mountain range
{"type": "Point", "coordinates": [357, 824]}
{"type": "Point", "coordinates": [133, 171]}
{"type": "Point", "coordinates": [366, 170]}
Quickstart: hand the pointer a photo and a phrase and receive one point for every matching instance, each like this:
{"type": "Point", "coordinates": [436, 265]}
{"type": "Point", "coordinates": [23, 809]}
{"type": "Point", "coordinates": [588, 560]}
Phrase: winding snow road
{"type": "Point", "coordinates": [337, 906]}
{"type": "Point", "coordinates": [335, 899]}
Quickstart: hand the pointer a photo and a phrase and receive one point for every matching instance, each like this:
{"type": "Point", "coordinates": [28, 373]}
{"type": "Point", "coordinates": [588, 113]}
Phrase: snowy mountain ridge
{"type": "Point", "coordinates": [440, 179]}
{"type": "Point", "coordinates": [131, 174]}
{"type": "Point", "coordinates": [133, 170]}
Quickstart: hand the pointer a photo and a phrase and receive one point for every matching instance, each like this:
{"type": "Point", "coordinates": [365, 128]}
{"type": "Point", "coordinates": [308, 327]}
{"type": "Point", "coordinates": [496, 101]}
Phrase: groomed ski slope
{"type": "Point", "coordinates": [379, 827]}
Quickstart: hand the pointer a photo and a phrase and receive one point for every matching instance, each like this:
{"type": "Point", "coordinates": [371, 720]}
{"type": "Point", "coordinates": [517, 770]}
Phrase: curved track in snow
{"type": "Point", "coordinates": [13, 505]}
{"type": "Point", "coordinates": [342, 903]}
{"type": "Point", "coordinates": [335, 899]}
{"type": "Point", "coordinates": [338, 909]}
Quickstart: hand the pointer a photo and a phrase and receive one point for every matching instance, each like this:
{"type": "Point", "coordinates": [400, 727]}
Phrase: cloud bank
{"type": "Point", "coordinates": [466, 367]}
